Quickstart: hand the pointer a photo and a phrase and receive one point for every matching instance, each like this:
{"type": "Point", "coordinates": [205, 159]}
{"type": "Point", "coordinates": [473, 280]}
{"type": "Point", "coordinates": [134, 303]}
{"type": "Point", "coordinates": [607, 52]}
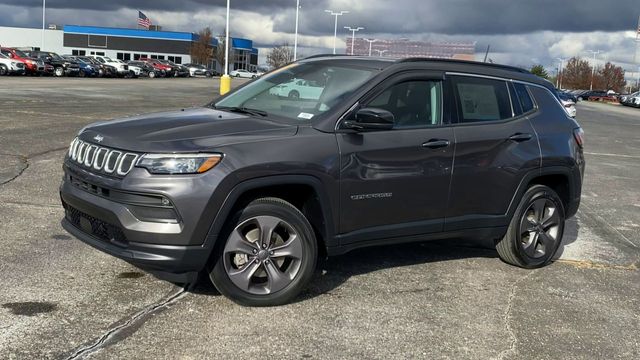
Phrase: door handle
{"type": "Point", "coordinates": [436, 143]}
{"type": "Point", "coordinates": [520, 137]}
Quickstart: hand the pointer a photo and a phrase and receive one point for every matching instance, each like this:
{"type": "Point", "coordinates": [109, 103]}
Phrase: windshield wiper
{"type": "Point", "coordinates": [242, 110]}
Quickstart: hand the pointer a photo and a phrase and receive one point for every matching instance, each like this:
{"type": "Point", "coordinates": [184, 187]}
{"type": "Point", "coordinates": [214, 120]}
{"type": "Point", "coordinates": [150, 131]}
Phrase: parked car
{"type": "Point", "coordinates": [121, 68]}
{"type": "Point", "coordinates": [32, 66]}
{"type": "Point", "coordinates": [176, 70]}
{"type": "Point", "coordinates": [86, 68]}
{"type": "Point", "coordinates": [588, 94]}
{"type": "Point", "coordinates": [631, 99]}
{"type": "Point", "coordinates": [10, 66]}
{"type": "Point", "coordinates": [568, 103]}
{"type": "Point", "coordinates": [298, 89]}
{"type": "Point", "coordinates": [134, 71]}
{"type": "Point", "coordinates": [104, 69]}
{"type": "Point", "coordinates": [241, 73]}
{"type": "Point", "coordinates": [199, 70]}
{"type": "Point", "coordinates": [61, 66]}
{"type": "Point", "coordinates": [571, 96]}
{"type": "Point", "coordinates": [253, 189]}
{"type": "Point", "coordinates": [146, 70]}
{"type": "Point", "coordinates": [161, 69]}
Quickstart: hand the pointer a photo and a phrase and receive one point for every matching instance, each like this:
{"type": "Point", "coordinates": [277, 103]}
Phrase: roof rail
{"type": "Point", "coordinates": [322, 55]}
{"type": "Point", "coordinates": [497, 66]}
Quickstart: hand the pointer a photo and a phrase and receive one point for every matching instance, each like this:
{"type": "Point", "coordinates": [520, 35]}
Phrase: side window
{"type": "Point", "coordinates": [525, 99]}
{"type": "Point", "coordinates": [413, 103]}
{"type": "Point", "coordinates": [482, 99]}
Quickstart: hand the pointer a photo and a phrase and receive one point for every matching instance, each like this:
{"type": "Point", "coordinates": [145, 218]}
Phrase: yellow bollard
{"type": "Point", "coordinates": [225, 84]}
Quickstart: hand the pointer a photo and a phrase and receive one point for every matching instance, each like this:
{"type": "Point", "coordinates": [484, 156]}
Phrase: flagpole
{"type": "Point", "coordinates": [44, 8]}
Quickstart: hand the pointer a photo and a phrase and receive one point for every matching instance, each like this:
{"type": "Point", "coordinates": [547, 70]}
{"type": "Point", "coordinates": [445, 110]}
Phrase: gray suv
{"type": "Point", "coordinates": [255, 187]}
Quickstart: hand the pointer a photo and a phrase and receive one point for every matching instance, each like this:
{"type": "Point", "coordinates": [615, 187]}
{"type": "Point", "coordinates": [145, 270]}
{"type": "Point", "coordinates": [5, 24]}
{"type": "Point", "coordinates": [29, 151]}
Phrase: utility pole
{"type": "Point", "coordinates": [593, 73]}
{"type": "Point", "coordinates": [225, 80]}
{"type": "Point", "coordinates": [370, 41]}
{"type": "Point", "coordinates": [295, 41]}
{"type": "Point", "coordinates": [335, 30]}
{"type": "Point", "coordinates": [353, 36]}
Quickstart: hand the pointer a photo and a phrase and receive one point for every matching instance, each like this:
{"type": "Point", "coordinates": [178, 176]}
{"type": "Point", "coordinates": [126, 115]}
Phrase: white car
{"type": "Point", "coordinates": [134, 71]}
{"type": "Point", "coordinates": [10, 66]}
{"type": "Point", "coordinates": [121, 67]}
{"type": "Point", "coordinates": [241, 73]}
{"type": "Point", "coordinates": [298, 89]}
{"type": "Point", "coordinates": [568, 104]}
{"type": "Point", "coordinates": [631, 99]}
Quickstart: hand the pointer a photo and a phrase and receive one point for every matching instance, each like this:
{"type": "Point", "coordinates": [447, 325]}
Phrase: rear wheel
{"type": "Point", "coordinates": [268, 256]}
{"type": "Point", "coordinates": [294, 94]}
{"type": "Point", "coordinates": [535, 231]}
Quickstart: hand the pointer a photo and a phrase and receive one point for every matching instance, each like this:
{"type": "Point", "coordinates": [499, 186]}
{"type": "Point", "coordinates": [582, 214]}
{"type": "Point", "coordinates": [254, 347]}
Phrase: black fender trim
{"type": "Point", "coordinates": [276, 180]}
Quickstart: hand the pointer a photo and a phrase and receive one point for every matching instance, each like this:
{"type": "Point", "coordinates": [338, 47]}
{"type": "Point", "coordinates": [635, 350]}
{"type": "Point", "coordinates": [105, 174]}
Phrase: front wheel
{"type": "Point", "coordinates": [3, 70]}
{"type": "Point", "coordinates": [535, 231]}
{"type": "Point", "coordinates": [268, 255]}
{"type": "Point", "coordinates": [58, 72]}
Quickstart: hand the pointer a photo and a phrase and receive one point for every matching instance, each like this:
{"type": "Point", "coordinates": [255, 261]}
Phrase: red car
{"type": "Point", "coordinates": [31, 65]}
{"type": "Point", "coordinates": [160, 68]}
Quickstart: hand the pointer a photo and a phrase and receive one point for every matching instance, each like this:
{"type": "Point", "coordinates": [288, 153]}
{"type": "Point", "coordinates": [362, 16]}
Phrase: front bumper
{"type": "Point", "coordinates": [106, 214]}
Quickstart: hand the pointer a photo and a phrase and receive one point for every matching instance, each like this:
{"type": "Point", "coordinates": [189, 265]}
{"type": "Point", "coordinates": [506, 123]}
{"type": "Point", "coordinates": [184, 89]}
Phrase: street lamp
{"type": "Point", "coordinates": [44, 7]}
{"type": "Point", "coordinates": [370, 41]}
{"type": "Point", "coordinates": [559, 79]}
{"type": "Point", "coordinates": [353, 36]}
{"type": "Point", "coordinates": [335, 30]}
{"type": "Point", "coordinates": [593, 73]}
{"type": "Point", "coordinates": [225, 80]}
{"type": "Point", "coordinates": [295, 41]}
{"type": "Point", "coordinates": [380, 52]}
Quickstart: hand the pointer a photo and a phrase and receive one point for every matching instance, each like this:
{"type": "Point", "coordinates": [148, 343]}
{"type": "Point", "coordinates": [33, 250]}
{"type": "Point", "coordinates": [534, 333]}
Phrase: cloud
{"type": "Point", "coordinates": [519, 32]}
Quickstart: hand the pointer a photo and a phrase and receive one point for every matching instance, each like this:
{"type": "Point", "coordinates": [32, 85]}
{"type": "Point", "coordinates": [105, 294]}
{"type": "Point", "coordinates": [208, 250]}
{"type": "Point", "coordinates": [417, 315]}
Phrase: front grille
{"type": "Point", "coordinates": [101, 159]}
{"type": "Point", "coordinates": [96, 227]}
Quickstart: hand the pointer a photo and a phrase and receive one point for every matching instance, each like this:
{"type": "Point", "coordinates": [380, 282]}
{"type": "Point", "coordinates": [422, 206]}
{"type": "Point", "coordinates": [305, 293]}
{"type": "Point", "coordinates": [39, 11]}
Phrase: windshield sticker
{"type": "Point", "coordinates": [304, 115]}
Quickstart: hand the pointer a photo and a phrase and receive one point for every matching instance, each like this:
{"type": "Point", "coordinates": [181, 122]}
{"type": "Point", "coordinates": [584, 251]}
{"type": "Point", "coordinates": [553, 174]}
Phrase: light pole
{"type": "Point", "coordinates": [559, 79]}
{"type": "Point", "coordinates": [370, 41]}
{"type": "Point", "coordinates": [335, 30]}
{"type": "Point", "coordinates": [295, 40]}
{"type": "Point", "coordinates": [353, 36]}
{"type": "Point", "coordinates": [44, 7]}
{"type": "Point", "coordinates": [225, 80]}
{"type": "Point", "coordinates": [593, 73]}
{"type": "Point", "coordinates": [381, 52]}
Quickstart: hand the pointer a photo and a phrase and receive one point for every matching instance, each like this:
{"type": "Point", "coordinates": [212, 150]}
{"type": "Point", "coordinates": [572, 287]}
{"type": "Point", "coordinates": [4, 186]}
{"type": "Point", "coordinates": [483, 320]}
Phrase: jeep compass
{"type": "Point", "coordinates": [253, 188]}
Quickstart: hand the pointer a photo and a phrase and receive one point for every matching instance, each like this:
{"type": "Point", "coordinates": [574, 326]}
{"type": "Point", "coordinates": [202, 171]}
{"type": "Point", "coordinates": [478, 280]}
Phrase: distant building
{"type": "Point", "coordinates": [124, 44]}
{"type": "Point", "coordinates": [405, 48]}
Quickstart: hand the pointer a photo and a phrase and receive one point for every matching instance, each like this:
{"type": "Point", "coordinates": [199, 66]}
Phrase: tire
{"type": "Point", "coordinates": [59, 72]}
{"type": "Point", "coordinates": [540, 211]}
{"type": "Point", "coordinates": [294, 94]}
{"type": "Point", "coordinates": [152, 74]}
{"type": "Point", "coordinates": [81, 74]}
{"type": "Point", "coordinates": [237, 252]}
{"type": "Point", "coordinates": [580, 98]}
{"type": "Point", "coordinates": [237, 75]}
{"type": "Point", "coordinates": [208, 74]}
{"type": "Point", "coordinates": [3, 70]}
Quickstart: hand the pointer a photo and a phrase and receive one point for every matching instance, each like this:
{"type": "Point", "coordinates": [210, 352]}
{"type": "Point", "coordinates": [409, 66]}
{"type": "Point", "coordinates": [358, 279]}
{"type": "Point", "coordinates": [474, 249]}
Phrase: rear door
{"type": "Point", "coordinates": [495, 147]}
{"type": "Point", "coordinates": [396, 182]}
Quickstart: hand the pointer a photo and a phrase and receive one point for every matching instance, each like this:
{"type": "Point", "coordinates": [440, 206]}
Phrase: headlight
{"type": "Point", "coordinates": [166, 164]}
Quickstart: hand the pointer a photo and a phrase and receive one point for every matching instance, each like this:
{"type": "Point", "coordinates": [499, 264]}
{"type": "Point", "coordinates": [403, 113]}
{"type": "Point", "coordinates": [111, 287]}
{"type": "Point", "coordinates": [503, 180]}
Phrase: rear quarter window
{"type": "Point", "coordinates": [524, 97]}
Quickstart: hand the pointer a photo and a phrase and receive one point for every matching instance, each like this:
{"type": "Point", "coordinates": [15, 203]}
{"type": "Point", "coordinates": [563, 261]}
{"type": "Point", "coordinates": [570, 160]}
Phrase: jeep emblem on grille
{"type": "Point", "coordinates": [98, 138]}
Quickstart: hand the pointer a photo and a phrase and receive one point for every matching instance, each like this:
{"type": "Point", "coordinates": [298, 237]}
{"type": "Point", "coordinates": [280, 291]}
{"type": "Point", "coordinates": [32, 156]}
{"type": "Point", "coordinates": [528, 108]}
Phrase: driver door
{"type": "Point", "coordinates": [396, 182]}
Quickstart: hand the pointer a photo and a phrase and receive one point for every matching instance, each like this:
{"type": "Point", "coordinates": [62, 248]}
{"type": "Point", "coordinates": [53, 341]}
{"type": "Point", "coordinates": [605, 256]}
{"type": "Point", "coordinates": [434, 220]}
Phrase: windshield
{"type": "Point", "coordinates": [299, 93]}
{"type": "Point", "coordinates": [56, 56]}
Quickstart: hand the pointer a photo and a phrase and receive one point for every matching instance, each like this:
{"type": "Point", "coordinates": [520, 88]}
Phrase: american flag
{"type": "Point", "coordinates": [143, 20]}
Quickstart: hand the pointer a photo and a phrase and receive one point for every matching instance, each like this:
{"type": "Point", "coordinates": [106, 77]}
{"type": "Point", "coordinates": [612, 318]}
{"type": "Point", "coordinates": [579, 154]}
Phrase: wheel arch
{"type": "Point", "coordinates": [305, 192]}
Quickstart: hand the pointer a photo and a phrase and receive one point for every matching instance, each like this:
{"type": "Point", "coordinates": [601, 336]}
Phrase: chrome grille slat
{"type": "Point", "coordinates": [101, 159]}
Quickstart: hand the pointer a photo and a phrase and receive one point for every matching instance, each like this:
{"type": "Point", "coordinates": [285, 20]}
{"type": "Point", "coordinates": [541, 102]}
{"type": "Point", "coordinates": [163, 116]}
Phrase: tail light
{"type": "Point", "coordinates": [578, 134]}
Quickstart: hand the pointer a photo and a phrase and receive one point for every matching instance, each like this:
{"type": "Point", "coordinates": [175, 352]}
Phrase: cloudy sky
{"type": "Point", "coordinates": [520, 32]}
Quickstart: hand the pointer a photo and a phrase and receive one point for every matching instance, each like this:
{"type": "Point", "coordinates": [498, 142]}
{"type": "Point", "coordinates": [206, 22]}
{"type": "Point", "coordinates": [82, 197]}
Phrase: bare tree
{"type": "Point", "coordinates": [202, 50]}
{"type": "Point", "coordinates": [610, 77]}
{"type": "Point", "coordinates": [280, 56]}
{"type": "Point", "coordinates": [577, 74]}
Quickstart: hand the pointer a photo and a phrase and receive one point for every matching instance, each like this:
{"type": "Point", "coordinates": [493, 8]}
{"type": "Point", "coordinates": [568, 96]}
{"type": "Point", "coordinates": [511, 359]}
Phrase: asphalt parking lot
{"type": "Point", "coordinates": [62, 299]}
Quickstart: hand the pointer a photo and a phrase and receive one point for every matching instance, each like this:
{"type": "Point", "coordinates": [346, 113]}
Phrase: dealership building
{"type": "Point", "coordinates": [124, 44]}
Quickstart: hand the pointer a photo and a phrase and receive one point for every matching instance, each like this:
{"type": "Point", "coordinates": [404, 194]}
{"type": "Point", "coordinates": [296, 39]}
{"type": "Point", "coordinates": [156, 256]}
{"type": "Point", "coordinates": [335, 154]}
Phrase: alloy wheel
{"type": "Point", "coordinates": [263, 255]}
{"type": "Point", "coordinates": [540, 228]}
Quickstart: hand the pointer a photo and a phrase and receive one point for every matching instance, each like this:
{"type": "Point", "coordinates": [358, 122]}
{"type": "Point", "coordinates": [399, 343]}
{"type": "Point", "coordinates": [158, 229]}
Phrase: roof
{"type": "Point", "coordinates": [447, 65]}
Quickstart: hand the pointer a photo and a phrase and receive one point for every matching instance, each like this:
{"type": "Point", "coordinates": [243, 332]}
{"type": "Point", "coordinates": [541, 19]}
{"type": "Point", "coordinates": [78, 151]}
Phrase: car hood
{"type": "Point", "coordinates": [187, 130]}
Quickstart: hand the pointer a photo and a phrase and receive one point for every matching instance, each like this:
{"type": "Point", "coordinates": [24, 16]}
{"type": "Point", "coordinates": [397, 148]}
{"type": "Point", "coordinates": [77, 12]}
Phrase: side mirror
{"type": "Point", "coordinates": [371, 119]}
